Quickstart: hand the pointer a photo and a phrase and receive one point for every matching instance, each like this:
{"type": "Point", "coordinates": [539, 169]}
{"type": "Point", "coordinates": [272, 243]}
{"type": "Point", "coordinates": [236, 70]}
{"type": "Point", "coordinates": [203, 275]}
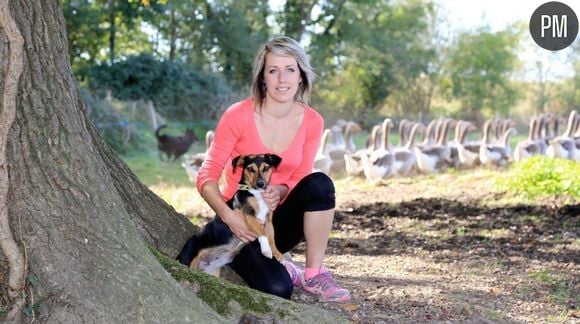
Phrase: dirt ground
{"type": "Point", "coordinates": [441, 249]}
{"type": "Point", "coordinates": [445, 248]}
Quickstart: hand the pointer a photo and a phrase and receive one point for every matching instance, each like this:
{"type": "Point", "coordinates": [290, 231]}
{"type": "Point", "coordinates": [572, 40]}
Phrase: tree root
{"type": "Point", "coordinates": [15, 67]}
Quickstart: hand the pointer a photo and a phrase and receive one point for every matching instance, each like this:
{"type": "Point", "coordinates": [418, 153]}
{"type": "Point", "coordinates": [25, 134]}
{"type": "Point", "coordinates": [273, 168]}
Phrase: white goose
{"type": "Point", "coordinates": [496, 155]}
{"type": "Point", "coordinates": [322, 161]}
{"type": "Point", "coordinates": [564, 146]}
{"type": "Point", "coordinates": [405, 156]}
{"type": "Point", "coordinates": [353, 162]}
{"type": "Point", "coordinates": [436, 157]}
{"type": "Point", "coordinates": [379, 164]}
{"type": "Point", "coordinates": [468, 153]}
{"type": "Point", "coordinates": [530, 145]}
{"type": "Point", "coordinates": [577, 139]}
{"type": "Point", "coordinates": [337, 153]}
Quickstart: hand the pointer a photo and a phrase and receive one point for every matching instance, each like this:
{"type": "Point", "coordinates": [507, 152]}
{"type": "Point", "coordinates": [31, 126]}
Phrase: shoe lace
{"type": "Point", "coordinates": [292, 269]}
{"type": "Point", "coordinates": [324, 281]}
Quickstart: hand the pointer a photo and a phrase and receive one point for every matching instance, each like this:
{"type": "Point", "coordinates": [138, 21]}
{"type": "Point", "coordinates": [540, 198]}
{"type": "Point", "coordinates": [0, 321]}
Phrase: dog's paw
{"type": "Point", "coordinates": [265, 247]}
{"type": "Point", "coordinates": [268, 254]}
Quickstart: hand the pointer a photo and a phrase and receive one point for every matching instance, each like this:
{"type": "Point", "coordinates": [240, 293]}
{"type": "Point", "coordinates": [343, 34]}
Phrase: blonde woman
{"type": "Point", "coordinates": [277, 120]}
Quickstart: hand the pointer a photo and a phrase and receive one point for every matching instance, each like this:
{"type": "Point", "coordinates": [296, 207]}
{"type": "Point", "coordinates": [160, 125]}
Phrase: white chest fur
{"type": "Point", "coordinates": [263, 208]}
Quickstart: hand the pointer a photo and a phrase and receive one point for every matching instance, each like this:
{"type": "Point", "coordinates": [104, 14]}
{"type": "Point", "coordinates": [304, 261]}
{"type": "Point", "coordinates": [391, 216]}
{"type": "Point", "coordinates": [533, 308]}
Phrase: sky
{"type": "Point", "coordinates": [497, 14]}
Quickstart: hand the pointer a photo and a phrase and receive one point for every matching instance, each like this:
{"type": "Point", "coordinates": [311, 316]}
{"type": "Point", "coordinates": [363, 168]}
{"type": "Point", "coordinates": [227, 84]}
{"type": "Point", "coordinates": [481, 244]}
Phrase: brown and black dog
{"type": "Point", "coordinates": [174, 146]}
{"type": "Point", "coordinates": [215, 245]}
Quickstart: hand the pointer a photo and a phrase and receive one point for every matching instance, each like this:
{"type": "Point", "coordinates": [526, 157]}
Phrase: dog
{"type": "Point", "coordinates": [174, 146]}
{"type": "Point", "coordinates": [215, 245]}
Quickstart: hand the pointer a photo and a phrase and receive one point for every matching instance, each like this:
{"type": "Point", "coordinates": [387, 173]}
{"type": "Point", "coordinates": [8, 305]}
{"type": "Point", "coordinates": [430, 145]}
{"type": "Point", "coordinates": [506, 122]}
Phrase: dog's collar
{"type": "Point", "coordinates": [242, 186]}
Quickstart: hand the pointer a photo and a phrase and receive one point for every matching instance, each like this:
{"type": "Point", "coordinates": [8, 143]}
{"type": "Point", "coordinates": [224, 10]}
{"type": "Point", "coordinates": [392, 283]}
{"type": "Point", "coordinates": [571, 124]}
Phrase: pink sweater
{"type": "Point", "coordinates": [237, 134]}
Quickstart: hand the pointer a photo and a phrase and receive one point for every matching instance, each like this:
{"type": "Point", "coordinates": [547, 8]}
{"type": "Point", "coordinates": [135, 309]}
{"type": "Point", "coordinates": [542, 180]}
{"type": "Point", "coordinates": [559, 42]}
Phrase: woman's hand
{"type": "Point", "coordinates": [237, 225]}
{"type": "Point", "coordinates": [273, 195]}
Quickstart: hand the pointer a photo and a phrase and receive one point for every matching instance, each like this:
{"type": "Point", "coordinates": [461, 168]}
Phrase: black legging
{"type": "Point", "coordinates": [314, 192]}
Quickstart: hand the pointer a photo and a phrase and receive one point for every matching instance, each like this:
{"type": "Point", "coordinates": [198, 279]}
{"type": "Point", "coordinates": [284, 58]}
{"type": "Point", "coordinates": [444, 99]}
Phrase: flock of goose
{"type": "Point", "coordinates": [379, 159]}
{"type": "Point", "coordinates": [338, 155]}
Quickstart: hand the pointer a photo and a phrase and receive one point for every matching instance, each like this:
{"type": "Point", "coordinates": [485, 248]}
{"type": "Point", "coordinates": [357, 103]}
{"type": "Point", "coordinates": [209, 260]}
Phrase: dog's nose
{"type": "Point", "coordinates": [261, 184]}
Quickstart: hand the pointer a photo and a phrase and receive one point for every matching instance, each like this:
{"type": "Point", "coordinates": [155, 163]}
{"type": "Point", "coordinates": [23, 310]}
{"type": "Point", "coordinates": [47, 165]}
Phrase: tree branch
{"type": "Point", "coordinates": [14, 68]}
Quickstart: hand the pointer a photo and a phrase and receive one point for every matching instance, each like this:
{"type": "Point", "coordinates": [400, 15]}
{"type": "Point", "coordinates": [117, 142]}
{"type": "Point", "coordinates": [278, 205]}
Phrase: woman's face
{"type": "Point", "coordinates": [282, 77]}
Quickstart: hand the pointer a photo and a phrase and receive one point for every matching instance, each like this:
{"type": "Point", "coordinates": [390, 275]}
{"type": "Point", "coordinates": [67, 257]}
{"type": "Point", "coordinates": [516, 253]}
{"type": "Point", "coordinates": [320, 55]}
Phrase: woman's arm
{"type": "Point", "coordinates": [211, 193]}
{"type": "Point", "coordinates": [313, 136]}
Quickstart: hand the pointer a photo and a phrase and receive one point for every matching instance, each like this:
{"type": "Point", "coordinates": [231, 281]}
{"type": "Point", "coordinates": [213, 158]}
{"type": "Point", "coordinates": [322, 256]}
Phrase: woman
{"type": "Point", "coordinates": [277, 120]}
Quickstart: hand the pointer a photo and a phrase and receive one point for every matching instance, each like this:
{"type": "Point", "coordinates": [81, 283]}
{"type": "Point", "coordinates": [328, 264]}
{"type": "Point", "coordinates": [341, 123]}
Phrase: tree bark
{"type": "Point", "coordinates": [84, 219]}
{"type": "Point", "coordinates": [76, 212]}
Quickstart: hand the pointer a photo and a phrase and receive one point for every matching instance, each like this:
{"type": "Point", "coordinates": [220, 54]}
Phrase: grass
{"type": "Point", "coordinates": [151, 171]}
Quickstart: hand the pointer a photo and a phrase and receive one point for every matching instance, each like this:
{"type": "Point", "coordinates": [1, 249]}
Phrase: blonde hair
{"type": "Point", "coordinates": [282, 46]}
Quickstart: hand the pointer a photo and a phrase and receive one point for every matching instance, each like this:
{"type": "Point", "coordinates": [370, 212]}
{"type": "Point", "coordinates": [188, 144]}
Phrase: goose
{"type": "Point", "coordinates": [322, 160]}
{"type": "Point", "coordinates": [337, 139]}
{"type": "Point", "coordinates": [192, 163]}
{"type": "Point", "coordinates": [429, 137]}
{"type": "Point", "coordinates": [385, 146]}
{"type": "Point", "coordinates": [564, 146]}
{"type": "Point", "coordinates": [405, 157]}
{"type": "Point", "coordinates": [577, 138]}
{"type": "Point", "coordinates": [497, 155]}
{"type": "Point", "coordinates": [352, 161]}
{"type": "Point", "coordinates": [336, 154]}
{"type": "Point", "coordinates": [539, 134]}
{"type": "Point", "coordinates": [351, 128]}
{"type": "Point", "coordinates": [377, 170]}
{"type": "Point", "coordinates": [404, 127]}
{"type": "Point", "coordinates": [379, 163]}
{"type": "Point", "coordinates": [468, 153]}
{"type": "Point", "coordinates": [530, 145]}
{"type": "Point", "coordinates": [453, 151]}
{"type": "Point", "coordinates": [435, 158]}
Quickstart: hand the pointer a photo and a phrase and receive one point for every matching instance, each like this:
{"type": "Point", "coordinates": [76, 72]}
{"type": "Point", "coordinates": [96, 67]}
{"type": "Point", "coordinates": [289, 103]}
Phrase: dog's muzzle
{"type": "Point", "coordinates": [261, 184]}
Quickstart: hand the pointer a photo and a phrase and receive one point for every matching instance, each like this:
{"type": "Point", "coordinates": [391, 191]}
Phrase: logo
{"type": "Point", "coordinates": [554, 26]}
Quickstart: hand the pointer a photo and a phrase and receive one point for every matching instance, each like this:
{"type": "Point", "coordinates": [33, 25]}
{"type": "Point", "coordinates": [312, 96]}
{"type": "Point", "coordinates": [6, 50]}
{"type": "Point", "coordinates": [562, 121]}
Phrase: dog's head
{"type": "Point", "coordinates": [257, 169]}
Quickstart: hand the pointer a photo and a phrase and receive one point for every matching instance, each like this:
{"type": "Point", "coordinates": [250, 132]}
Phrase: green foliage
{"type": "Point", "coordinates": [541, 176]}
{"type": "Point", "coordinates": [178, 90]}
{"type": "Point", "coordinates": [479, 69]}
{"type": "Point", "coordinates": [98, 29]}
{"type": "Point", "coordinates": [382, 50]}
{"type": "Point", "coordinates": [373, 58]}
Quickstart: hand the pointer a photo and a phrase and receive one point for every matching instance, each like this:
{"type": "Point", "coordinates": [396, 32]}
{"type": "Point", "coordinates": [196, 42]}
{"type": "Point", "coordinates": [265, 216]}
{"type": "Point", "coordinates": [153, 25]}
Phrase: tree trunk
{"type": "Point", "coordinates": [83, 220]}
{"type": "Point", "coordinates": [78, 217]}
{"type": "Point", "coordinates": [112, 30]}
{"type": "Point", "coordinates": [172, 35]}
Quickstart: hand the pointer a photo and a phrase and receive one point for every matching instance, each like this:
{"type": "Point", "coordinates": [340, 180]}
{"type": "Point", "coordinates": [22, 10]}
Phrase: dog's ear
{"type": "Point", "coordinates": [237, 161]}
{"type": "Point", "coordinates": [273, 159]}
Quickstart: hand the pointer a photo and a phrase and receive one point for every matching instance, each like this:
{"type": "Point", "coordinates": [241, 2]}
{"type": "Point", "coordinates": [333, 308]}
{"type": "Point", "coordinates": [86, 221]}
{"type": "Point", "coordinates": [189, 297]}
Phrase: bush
{"type": "Point", "coordinates": [541, 176]}
{"type": "Point", "coordinates": [178, 90]}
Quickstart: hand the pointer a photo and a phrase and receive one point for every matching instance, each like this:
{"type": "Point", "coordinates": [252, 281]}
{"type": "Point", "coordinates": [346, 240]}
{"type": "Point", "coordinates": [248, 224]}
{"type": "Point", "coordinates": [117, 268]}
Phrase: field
{"type": "Point", "coordinates": [450, 247]}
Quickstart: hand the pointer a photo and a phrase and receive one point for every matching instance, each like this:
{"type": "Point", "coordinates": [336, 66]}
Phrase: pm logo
{"type": "Point", "coordinates": [554, 26]}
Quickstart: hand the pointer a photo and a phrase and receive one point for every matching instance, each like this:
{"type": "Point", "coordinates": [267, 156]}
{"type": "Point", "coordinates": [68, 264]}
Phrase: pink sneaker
{"type": "Point", "coordinates": [326, 288]}
{"type": "Point", "coordinates": [295, 272]}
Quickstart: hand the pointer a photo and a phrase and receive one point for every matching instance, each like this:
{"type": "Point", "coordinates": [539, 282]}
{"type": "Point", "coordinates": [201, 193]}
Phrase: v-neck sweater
{"type": "Point", "coordinates": [237, 134]}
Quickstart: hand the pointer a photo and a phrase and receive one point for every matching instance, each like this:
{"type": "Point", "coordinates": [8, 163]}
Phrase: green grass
{"type": "Point", "coordinates": [559, 291]}
{"type": "Point", "coordinates": [152, 171]}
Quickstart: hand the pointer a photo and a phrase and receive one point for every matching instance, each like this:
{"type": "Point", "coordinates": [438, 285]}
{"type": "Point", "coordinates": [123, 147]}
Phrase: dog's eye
{"type": "Point", "coordinates": [266, 168]}
{"type": "Point", "coordinates": [250, 169]}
